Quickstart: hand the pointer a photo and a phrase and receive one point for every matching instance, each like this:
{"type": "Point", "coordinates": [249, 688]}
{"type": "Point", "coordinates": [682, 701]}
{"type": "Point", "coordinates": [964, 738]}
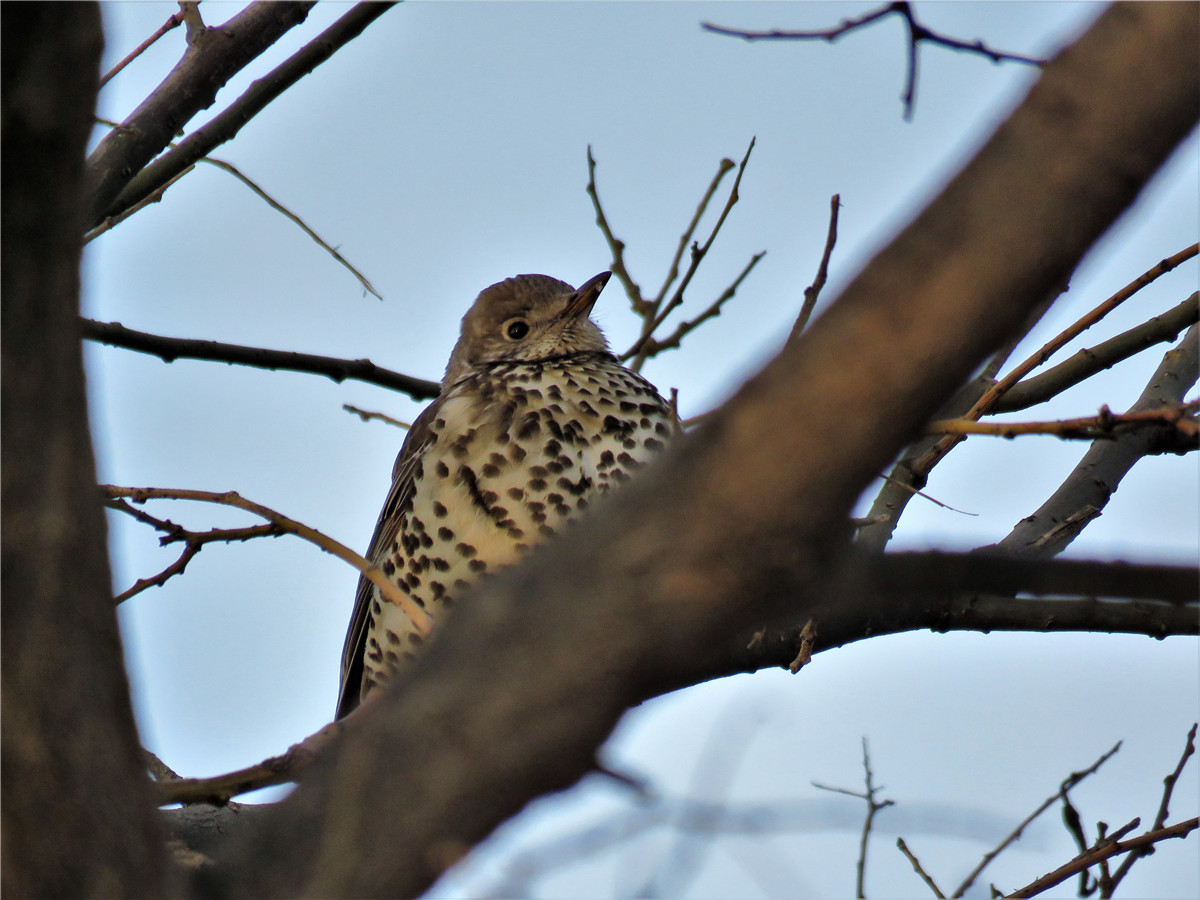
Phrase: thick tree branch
{"type": "Point", "coordinates": [1089, 487]}
{"type": "Point", "coordinates": [661, 573]}
{"type": "Point", "coordinates": [76, 815]}
{"type": "Point", "coordinates": [169, 349]}
{"type": "Point", "coordinates": [208, 63]}
{"type": "Point", "coordinates": [226, 124]}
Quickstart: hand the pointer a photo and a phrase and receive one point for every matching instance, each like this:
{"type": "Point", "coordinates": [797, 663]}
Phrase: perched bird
{"type": "Point", "coordinates": [535, 418]}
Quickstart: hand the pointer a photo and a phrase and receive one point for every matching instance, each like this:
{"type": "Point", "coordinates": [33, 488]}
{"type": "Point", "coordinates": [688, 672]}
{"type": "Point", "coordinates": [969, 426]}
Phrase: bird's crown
{"type": "Point", "coordinates": [527, 318]}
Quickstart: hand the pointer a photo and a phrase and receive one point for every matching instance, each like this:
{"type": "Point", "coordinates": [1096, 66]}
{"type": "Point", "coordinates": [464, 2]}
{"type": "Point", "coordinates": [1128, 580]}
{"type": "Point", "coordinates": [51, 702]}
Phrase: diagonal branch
{"type": "Point", "coordinates": [207, 64]}
{"type": "Point", "coordinates": [1088, 361]}
{"type": "Point", "coordinates": [226, 124]}
{"type": "Point", "coordinates": [169, 349]}
{"type": "Point", "coordinates": [1087, 490]}
{"type": "Point", "coordinates": [684, 555]}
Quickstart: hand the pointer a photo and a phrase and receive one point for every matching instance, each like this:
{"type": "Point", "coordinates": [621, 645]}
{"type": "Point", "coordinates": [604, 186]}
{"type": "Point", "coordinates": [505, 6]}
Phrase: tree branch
{"type": "Point", "coordinates": [76, 817]}
{"type": "Point", "coordinates": [226, 124]}
{"type": "Point", "coordinates": [917, 34]}
{"type": "Point", "coordinates": [335, 548]}
{"type": "Point", "coordinates": [169, 349]}
{"type": "Point", "coordinates": [684, 556]}
{"type": "Point", "coordinates": [207, 64]}
{"type": "Point", "coordinates": [1088, 361]}
{"type": "Point", "coordinates": [1087, 490]}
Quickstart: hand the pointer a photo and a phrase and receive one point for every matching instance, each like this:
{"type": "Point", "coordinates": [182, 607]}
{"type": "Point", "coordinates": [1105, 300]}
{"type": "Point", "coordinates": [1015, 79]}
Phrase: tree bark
{"type": "Point", "coordinates": [77, 814]}
{"type": "Point", "coordinates": [743, 516]}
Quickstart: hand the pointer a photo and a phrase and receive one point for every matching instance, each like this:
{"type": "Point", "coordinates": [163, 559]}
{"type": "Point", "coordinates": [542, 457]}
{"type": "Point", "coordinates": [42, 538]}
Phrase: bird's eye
{"type": "Point", "coordinates": [516, 329]}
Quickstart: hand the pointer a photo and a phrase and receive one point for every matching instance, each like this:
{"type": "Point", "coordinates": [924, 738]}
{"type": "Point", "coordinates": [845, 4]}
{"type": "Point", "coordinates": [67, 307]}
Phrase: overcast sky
{"type": "Point", "coordinates": [445, 150]}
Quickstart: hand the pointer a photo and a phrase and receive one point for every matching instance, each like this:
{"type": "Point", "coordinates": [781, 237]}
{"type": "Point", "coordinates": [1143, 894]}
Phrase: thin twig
{"type": "Point", "coordinates": [913, 491]}
{"type": "Point", "coordinates": [1160, 820]}
{"type": "Point", "coordinates": [615, 244]}
{"type": "Point", "coordinates": [813, 291]}
{"type": "Point", "coordinates": [231, 498]}
{"type": "Point", "coordinates": [1106, 424]}
{"type": "Point", "coordinates": [237, 173]}
{"type": "Point", "coordinates": [1090, 360]}
{"type": "Point", "coordinates": [113, 221]}
{"type": "Point", "coordinates": [173, 21]}
{"type": "Point", "coordinates": [1103, 850]}
{"type": "Point", "coordinates": [917, 33]}
{"type": "Point", "coordinates": [916, 864]}
{"type": "Point", "coordinates": [300, 223]}
{"type": "Point", "coordinates": [367, 415]}
{"type": "Point", "coordinates": [1070, 782]}
{"type": "Point", "coordinates": [169, 349]}
{"type": "Point", "coordinates": [638, 351]}
{"type": "Point", "coordinates": [985, 403]}
{"type": "Point", "coordinates": [873, 807]}
{"type": "Point", "coordinates": [193, 542]}
{"type": "Point", "coordinates": [655, 346]}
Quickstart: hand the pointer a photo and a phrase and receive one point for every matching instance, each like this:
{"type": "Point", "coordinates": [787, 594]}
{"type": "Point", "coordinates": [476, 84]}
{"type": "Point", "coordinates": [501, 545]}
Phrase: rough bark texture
{"type": "Point", "coordinates": [514, 698]}
{"type": "Point", "coordinates": [77, 819]}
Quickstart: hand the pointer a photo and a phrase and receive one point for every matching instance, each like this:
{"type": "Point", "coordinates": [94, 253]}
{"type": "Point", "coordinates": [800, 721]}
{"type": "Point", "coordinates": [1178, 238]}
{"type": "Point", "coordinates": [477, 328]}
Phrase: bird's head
{"type": "Point", "coordinates": [527, 318]}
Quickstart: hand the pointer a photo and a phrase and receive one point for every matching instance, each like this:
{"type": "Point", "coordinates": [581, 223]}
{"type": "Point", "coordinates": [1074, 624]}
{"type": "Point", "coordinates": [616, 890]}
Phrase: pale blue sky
{"type": "Point", "coordinates": [445, 150]}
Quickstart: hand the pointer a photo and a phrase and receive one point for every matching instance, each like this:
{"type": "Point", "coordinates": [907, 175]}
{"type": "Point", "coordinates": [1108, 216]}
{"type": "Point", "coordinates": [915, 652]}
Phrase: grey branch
{"type": "Point", "coordinates": [1087, 490]}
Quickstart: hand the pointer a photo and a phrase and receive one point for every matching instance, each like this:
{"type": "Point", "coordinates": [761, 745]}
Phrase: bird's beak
{"type": "Point", "coordinates": [581, 302]}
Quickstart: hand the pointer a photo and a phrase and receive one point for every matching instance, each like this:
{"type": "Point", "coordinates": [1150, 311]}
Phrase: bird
{"type": "Point", "coordinates": [534, 420]}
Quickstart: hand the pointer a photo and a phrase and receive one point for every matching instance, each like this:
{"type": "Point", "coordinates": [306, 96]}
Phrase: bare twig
{"type": "Point", "coordinates": [1106, 424]}
{"type": "Point", "coordinates": [300, 223]}
{"type": "Point", "coordinates": [113, 221]}
{"type": "Point", "coordinates": [639, 351]}
{"type": "Point", "coordinates": [916, 864]}
{"type": "Point", "coordinates": [1105, 355]}
{"type": "Point", "coordinates": [912, 490]}
{"type": "Point", "coordinates": [615, 244]}
{"type": "Point", "coordinates": [873, 807]}
{"type": "Point", "coordinates": [169, 349]}
{"type": "Point", "coordinates": [986, 402]}
{"type": "Point", "coordinates": [1160, 819]}
{"type": "Point", "coordinates": [813, 291]}
{"type": "Point", "coordinates": [654, 346]}
{"type": "Point", "coordinates": [367, 415]}
{"type": "Point", "coordinates": [1104, 849]}
{"type": "Point", "coordinates": [917, 33]}
{"type": "Point", "coordinates": [231, 498]}
{"type": "Point", "coordinates": [173, 21]}
{"type": "Point", "coordinates": [233, 170]}
{"type": "Point", "coordinates": [193, 542]}
{"type": "Point", "coordinates": [1070, 782]}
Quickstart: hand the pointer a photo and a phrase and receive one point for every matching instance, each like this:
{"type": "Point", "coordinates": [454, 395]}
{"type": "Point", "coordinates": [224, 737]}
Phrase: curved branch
{"type": "Point", "coordinates": [169, 349]}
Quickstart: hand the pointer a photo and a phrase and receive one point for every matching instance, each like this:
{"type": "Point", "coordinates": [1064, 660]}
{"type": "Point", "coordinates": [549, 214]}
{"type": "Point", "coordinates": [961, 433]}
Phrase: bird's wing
{"type": "Point", "coordinates": [398, 498]}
